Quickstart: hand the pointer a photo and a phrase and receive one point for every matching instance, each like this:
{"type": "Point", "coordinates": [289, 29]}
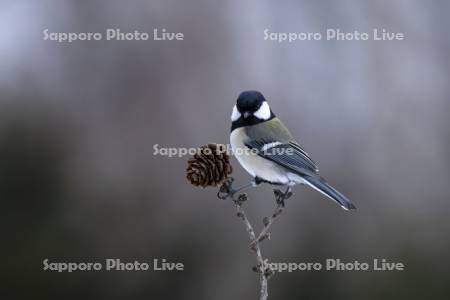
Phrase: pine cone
{"type": "Point", "coordinates": [210, 166]}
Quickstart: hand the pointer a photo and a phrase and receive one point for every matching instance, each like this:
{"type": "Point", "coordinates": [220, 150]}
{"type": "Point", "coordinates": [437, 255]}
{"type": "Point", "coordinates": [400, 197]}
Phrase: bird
{"type": "Point", "coordinates": [266, 149]}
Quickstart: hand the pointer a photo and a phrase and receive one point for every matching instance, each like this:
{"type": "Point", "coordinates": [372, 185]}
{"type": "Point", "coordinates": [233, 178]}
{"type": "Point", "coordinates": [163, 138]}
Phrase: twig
{"type": "Point", "coordinates": [259, 258]}
{"type": "Point", "coordinates": [227, 191]}
{"type": "Point", "coordinates": [268, 221]}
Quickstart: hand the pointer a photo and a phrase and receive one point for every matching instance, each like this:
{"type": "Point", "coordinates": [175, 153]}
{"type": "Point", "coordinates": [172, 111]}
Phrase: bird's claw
{"type": "Point", "coordinates": [226, 190]}
{"type": "Point", "coordinates": [280, 196]}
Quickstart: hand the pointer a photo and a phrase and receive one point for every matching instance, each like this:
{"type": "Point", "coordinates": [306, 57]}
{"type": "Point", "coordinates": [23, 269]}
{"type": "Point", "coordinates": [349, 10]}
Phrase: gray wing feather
{"type": "Point", "coordinates": [274, 142]}
{"type": "Point", "coordinates": [286, 155]}
{"type": "Point", "coordinates": [321, 185]}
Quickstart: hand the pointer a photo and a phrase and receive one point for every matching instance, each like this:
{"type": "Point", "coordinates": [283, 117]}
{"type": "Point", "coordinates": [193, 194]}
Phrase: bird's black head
{"type": "Point", "coordinates": [249, 101]}
{"type": "Point", "coordinates": [251, 108]}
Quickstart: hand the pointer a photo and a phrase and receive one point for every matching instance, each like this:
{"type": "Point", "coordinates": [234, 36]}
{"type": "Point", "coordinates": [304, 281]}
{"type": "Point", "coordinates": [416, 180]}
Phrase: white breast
{"type": "Point", "coordinates": [256, 165]}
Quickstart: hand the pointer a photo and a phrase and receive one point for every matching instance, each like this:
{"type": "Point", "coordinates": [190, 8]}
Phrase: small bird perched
{"type": "Point", "coordinates": [266, 149]}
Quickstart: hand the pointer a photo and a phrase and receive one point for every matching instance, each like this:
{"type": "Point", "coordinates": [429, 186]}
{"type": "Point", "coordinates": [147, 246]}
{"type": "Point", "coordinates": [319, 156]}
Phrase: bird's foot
{"type": "Point", "coordinates": [227, 191]}
{"type": "Point", "coordinates": [280, 196]}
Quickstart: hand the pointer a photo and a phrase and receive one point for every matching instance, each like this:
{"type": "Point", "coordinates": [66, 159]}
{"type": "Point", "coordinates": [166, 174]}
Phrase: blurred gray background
{"type": "Point", "coordinates": [79, 181]}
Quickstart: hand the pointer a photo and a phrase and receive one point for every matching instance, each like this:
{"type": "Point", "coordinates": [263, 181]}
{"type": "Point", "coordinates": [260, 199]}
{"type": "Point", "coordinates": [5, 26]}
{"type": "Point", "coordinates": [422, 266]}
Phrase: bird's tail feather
{"type": "Point", "coordinates": [319, 184]}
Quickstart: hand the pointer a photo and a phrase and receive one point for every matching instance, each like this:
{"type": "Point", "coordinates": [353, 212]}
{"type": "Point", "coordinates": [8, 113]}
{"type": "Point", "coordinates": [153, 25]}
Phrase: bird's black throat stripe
{"type": "Point", "coordinates": [249, 121]}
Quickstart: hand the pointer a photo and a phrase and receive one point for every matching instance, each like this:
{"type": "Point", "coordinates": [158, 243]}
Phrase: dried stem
{"type": "Point", "coordinates": [226, 191]}
{"type": "Point", "coordinates": [268, 221]}
{"type": "Point", "coordinates": [259, 258]}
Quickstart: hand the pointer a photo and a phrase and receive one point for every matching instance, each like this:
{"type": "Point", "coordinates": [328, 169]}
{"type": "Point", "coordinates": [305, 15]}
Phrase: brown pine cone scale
{"type": "Point", "coordinates": [210, 166]}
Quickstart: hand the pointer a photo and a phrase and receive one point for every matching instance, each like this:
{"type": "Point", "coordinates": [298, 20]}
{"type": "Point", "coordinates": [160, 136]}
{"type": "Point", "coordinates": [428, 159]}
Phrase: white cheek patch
{"type": "Point", "coordinates": [235, 115]}
{"type": "Point", "coordinates": [263, 112]}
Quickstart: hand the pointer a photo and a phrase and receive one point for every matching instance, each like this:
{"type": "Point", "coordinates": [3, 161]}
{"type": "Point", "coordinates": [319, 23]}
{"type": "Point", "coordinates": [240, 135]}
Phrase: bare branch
{"type": "Point", "coordinates": [268, 221]}
{"type": "Point", "coordinates": [227, 191]}
{"type": "Point", "coordinates": [259, 258]}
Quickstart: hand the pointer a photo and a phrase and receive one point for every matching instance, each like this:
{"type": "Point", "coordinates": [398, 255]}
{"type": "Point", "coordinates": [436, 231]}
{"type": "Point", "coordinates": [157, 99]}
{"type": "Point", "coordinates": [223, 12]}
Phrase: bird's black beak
{"type": "Point", "coordinates": [247, 114]}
